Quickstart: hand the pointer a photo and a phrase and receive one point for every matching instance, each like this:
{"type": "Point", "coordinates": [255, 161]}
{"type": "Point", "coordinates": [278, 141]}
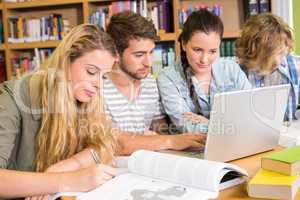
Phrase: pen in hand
{"type": "Point", "coordinates": [95, 156]}
{"type": "Point", "coordinates": [97, 161]}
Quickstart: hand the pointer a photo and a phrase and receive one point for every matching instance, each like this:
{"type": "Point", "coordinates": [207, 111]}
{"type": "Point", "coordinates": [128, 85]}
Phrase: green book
{"type": "Point", "coordinates": [233, 50]}
{"type": "Point", "coordinates": [222, 49]}
{"type": "Point", "coordinates": [286, 161]}
{"type": "Point", "coordinates": [227, 48]}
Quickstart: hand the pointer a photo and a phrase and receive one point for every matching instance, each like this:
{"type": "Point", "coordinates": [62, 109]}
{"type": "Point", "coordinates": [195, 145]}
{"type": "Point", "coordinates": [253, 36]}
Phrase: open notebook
{"type": "Point", "coordinates": [154, 175]}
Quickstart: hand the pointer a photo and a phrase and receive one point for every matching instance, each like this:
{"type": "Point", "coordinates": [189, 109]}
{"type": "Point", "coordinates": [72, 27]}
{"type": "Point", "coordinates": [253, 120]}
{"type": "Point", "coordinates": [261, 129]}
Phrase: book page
{"type": "Point", "coordinates": [230, 178]}
{"type": "Point", "coordinates": [135, 187]}
{"type": "Point", "coordinates": [121, 162]}
{"type": "Point", "coordinates": [191, 172]}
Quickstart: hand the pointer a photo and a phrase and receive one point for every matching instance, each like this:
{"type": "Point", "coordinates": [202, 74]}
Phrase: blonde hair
{"type": "Point", "coordinates": [263, 36]}
{"type": "Point", "coordinates": [68, 127]}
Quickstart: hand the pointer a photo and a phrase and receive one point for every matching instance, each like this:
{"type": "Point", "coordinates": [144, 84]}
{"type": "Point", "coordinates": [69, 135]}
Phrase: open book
{"type": "Point", "coordinates": [154, 175]}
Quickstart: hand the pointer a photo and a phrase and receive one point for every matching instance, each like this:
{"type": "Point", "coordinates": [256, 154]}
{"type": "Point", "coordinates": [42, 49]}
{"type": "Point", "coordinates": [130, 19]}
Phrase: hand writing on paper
{"type": "Point", "coordinates": [82, 180]}
{"type": "Point", "coordinates": [88, 178]}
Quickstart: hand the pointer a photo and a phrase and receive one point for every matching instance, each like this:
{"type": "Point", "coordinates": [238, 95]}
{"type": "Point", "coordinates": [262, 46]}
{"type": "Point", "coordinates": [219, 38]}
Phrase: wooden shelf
{"type": "Point", "coordinates": [167, 36]}
{"type": "Point", "coordinates": [78, 11]}
{"type": "Point", "coordinates": [41, 3]}
{"type": "Point", "coordinates": [2, 47]}
{"type": "Point", "coordinates": [226, 34]}
{"type": "Point", "coordinates": [32, 45]}
{"type": "Point", "coordinates": [232, 34]}
{"type": "Point", "coordinates": [96, 1]}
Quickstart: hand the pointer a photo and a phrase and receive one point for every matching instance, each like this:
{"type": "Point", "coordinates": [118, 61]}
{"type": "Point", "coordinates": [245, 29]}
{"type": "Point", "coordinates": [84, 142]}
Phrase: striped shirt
{"type": "Point", "coordinates": [137, 115]}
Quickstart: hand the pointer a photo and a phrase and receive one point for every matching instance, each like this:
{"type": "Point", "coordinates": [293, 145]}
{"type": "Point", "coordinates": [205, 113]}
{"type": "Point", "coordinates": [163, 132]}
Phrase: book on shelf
{"type": "Point", "coordinates": [286, 161]}
{"type": "Point", "coordinates": [184, 13]}
{"type": "Point", "coordinates": [264, 6]}
{"type": "Point", "coordinates": [254, 7]}
{"type": "Point", "coordinates": [163, 15]}
{"type": "Point", "coordinates": [52, 27]}
{"type": "Point", "coordinates": [154, 16]}
{"type": "Point", "coordinates": [143, 8]}
{"type": "Point", "coordinates": [102, 15]}
{"type": "Point", "coordinates": [1, 32]}
{"type": "Point", "coordinates": [159, 13]}
{"type": "Point", "coordinates": [162, 57]}
{"type": "Point", "coordinates": [227, 48]}
{"type": "Point", "coordinates": [29, 61]}
{"type": "Point", "coordinates": [273, 185]}
{"type": "Point", "coordinates": [2, 68]}
{"type": "Point", "coordinates": [155, 174]}
{"type": "Point", "coordinates": [99, 17]}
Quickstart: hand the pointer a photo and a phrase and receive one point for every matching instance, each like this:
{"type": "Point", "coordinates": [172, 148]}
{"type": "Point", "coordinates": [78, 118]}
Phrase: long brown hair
{"type": "Point", "coordinates": [198, 21]}
{"type": "Point", "coordinates": [68, 127]}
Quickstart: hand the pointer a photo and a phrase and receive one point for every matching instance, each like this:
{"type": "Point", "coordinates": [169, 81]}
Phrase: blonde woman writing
{"type": "Point", "coordinates": [49, 120]}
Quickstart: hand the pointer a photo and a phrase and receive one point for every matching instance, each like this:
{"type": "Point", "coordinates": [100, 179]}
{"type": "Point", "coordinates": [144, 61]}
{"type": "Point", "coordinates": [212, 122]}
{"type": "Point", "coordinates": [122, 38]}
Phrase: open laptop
{"type": "Point", "coordinates": [243, 123]}
{"type": "Point", "coordinates": [246, 122]}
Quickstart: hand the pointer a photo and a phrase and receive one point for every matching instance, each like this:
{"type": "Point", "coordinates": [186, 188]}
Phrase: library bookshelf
{"type": "Point", "coordinates": [78, 11]}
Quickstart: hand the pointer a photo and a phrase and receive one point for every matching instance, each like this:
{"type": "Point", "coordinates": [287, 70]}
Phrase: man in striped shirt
{"type": "Point", "coordinates": [130, 92]}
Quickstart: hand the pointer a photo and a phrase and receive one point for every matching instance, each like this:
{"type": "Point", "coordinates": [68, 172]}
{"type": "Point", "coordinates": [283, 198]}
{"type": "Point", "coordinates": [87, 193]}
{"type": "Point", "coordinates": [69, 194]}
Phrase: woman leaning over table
{"type": "Point", "coordinates": [52, 118]}
{"type": "Point", "coordinates": [187, 89]}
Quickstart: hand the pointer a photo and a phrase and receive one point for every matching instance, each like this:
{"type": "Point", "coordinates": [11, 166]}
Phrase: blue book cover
{"type": "Point", "coordinates": [253, 7]}
{"type": "Point", "coordinates": [159, 14]}
{"type": "Point", "coordinates": [166, 16]}
{"type": "Point", "coordinates": [264, 6]}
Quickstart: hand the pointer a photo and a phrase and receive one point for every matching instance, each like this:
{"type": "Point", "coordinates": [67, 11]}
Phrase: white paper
{"type": "Point", "coordinates": [134, 187]}
{"type": "Point", "coordinates": [152, 175]}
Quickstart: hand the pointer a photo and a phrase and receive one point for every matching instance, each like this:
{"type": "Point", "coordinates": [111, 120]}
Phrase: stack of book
{"type": "Point", "coordinates": [279, 177]}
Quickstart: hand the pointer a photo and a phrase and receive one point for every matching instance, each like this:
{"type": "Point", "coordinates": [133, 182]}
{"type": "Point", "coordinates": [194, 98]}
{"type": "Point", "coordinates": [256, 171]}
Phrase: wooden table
{"type": "Point", "coordinates": [252, 165]}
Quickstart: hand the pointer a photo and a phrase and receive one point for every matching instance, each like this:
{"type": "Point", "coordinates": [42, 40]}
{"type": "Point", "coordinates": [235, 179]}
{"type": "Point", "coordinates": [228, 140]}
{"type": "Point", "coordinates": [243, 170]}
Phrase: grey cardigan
{"type": "Point", "coordinates": [19, 122]}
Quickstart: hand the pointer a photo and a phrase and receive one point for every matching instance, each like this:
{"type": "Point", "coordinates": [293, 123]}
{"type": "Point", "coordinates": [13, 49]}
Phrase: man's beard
{"type": "Point", "coordinates": [131, 74]}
